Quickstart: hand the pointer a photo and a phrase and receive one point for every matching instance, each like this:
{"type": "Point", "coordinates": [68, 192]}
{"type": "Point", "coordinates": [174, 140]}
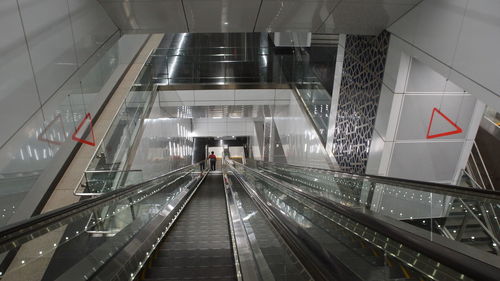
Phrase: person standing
{"type": "Point", "coordinates": [202, 164]}
{"type": "Point", "coordinates": [213, 160]}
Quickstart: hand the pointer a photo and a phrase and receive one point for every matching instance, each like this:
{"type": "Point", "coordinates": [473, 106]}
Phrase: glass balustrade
{"type": "Point", "coordinates": [78, 241]}
{"type": "Point", "coordinates": [469, 218]}
{"type": "Point", "coordinates": [369, 254]}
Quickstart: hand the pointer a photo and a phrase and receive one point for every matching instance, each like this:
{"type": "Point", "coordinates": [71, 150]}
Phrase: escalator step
{"type": "Point", "coordinates": [195, 253]}
{"type": "Point", "coordinates": [198, 247]}
{"type": "Point", "coordinates": [191, 237]}
{"type": "Point", "coordinates": [186, 272]}
{"type": "Point", "coordinates": [195, 261]}
{"type": "Point", "coordinates": [193, 279]}
{"type": "Point", "coordinates": [193, 245]}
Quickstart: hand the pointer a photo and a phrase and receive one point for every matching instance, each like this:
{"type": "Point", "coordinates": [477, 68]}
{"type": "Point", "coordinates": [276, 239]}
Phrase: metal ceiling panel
{"type": "Point", "coordinates": [276, 16]}
{"type": "Point", "coordinates": [221, 15]}
{"type": "Point", "coordinates": [366, 17]}
{"type": "Point", "coordinates": [147, 16]}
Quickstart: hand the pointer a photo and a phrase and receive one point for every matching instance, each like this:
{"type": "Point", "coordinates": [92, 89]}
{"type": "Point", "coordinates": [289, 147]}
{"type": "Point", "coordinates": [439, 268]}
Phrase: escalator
{"type": "Point", "coordinates": [198, 247]}
{"type": "Point", "coordinates": [259, 221]}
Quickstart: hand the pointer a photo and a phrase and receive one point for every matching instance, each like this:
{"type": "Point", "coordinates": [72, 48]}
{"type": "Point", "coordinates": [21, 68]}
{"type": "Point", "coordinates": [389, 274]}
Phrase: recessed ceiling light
{"type": "Point", "coordinates": [226, 23]}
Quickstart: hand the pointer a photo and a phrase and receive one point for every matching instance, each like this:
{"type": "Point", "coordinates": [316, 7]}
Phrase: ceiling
{"type": "Point", "coordinates": [327, 16]}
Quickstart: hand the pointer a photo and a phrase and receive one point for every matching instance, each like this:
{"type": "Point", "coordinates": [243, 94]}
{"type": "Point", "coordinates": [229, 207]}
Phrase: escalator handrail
{"type": "Point", "coordinates": [450, 257]}
{"type": "Point", "coordinates": [13, 231]}
{"type": "Point", "coordinates": [405, 183]}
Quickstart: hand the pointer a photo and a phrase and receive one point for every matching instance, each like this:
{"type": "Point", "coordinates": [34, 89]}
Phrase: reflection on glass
{"type": "Point", "coordinates": [88, 239]}
{"type": "Point", "coordinates": [30, 151]}
{"type": "Point", "coordinates": [368, 254]}
{"type": "Point", "coordinates": [471, 220]}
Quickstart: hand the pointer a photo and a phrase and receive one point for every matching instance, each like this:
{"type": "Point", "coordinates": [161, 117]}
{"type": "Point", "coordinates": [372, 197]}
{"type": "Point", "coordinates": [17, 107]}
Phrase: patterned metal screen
{"type": "Point", "coordinates": [362, 73]}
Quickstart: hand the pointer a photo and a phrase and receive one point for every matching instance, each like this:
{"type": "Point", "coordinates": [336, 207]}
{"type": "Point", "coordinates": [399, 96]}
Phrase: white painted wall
{"type": "Point", "coordinates": [400, 147]}
{"type": "Point", "coordinates": [300, 142]}
{"type": "Point", "coordinates": [436, 50]}
{"type": "Point", "coordinates": [459, 39]}
{"type": "Point", "coordinates": [43, 43]}
{"type": "Point", "coordinates": [59, 59]}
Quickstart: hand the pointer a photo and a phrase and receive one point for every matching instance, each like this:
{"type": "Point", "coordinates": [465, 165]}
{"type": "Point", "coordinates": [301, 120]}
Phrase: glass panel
{"type": "Point", "coordinates": [87, 239]}
{"type": "Point", "coordinates": [97, 182]}
{"type": "Point", "coordinates": [370, 255]}
{"type": "Point", "coordinates": [29, 153]}
{"type": "Point", "coordinates": [471, 220]}
{"type": "Point", "coordinates": [272, 255]}
{"type": "Point", "coordinates": [246, 66]}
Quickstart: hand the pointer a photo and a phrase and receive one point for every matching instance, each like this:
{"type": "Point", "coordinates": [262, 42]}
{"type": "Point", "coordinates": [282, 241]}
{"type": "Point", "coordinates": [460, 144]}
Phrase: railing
{"type": "Point", "coordinates": [143, 212]}
{"type": "Point", "coordinates": [419, 205]}
{"type": "Point", "coordinates": [477, 171]}
{"type": "Point", "coordinates": [436, 258]}
{"type": "Point", "coordinates": [98, 182]}
{"type": "Point", "coordinates": [115, 150]}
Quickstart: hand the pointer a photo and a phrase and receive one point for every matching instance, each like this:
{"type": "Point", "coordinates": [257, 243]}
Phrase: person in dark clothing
{"type": "Point", "coordinates": [202, 164]}
{"type": "Point", "coordinates": [213, 160]}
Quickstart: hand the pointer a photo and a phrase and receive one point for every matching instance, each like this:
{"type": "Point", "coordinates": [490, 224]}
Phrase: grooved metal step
{"type": "Point", "coordinates": [198, 246]}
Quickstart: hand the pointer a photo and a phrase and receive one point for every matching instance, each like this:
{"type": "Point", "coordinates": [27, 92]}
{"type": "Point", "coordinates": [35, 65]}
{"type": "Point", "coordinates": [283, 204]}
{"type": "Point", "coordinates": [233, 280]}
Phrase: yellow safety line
{"type": "Point", "coordinates": [389, 263]}
{"type": "Point", "coordinates": [405, 272]}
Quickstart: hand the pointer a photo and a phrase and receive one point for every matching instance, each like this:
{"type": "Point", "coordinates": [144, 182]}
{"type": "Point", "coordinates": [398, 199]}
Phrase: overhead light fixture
{"type": "Point", "coordinates": [226, 23]}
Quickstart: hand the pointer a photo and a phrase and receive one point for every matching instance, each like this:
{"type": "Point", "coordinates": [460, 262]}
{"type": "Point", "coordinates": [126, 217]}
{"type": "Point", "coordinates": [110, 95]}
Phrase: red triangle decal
{"type": "Point", "coordinates": [457, 131]}
{"type": "Point", "coordinates": [42, 136]}
{"type": "Point", "coordinates": [75, 138]}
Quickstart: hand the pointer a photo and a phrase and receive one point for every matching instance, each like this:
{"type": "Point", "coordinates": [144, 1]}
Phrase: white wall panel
{"type": "Point", "coordinates": [462, 36]}
{"type": "Point", "coordinates": [417, 111]}
{"type": "Point", "coordinates": [364, 17]}
{"type": "Point", "coordinates": [385, 104]}
{"type": "Point", "coordinates": [257, 94]}
{"type": "Point", "coordinates": [423, 79]}
{"type": "Point", "coordinates": [283, 94]}
{"type": "Point", "coordinates": [221, 15]}
{"type": "Point", "coordinates": [427, 161]}
{"type": "Point", "coordinates": [176, 95]}
{"type": "Point", "coordinates": [478, 47]}
{"type": "Point", "coordinates": [214, 95]}
{"type": "Point", "coordinates": [438, 27]}
{"type": "Point", "coordinates": [376, 152]}
{"type": "Point", "coordinates": [293, 15]}
{"type": "Point", "coordinates": [301, 144]}
{"type": "Point", "coordinates": [50, 40]}
{"type": "Point", "coordinates": [18, 96]}
{"type": "Point", "coordinates": [91, 27]}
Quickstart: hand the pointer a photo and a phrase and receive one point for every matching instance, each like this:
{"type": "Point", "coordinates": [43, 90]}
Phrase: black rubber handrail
{"type": "Point", "coordinates": [430, 186]}
{"type": "Point", "coordinates": [13, 231]}
{"type": "Point", "coordinates": [465, 264]}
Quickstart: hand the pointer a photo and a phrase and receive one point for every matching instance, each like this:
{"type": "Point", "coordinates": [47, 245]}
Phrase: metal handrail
{"type": "Point", "coordinates": [43, 221]}
{"type": "Point", "coordinates": [448, 256]}
{"type": "Point", "coordinates": [407, 183]}
{"type": "Point", "coordinates": [113, 171]}
{"type": "Point", "coordinates": [483, 165]}
{"type": "Point", "coordinates": [312, 263]}
{"type": "Point", "coordinates": [483, 226]}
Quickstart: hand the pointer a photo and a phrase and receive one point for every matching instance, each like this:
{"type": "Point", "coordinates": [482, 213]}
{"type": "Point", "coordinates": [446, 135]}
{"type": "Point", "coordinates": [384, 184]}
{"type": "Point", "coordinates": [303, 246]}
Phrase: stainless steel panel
{"type": "Point", "coordinates": [334, 16]}
{"type": "Point", "coordinates": [221, 15]}
{"type": "Point", "coordinates": [150, 17]}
